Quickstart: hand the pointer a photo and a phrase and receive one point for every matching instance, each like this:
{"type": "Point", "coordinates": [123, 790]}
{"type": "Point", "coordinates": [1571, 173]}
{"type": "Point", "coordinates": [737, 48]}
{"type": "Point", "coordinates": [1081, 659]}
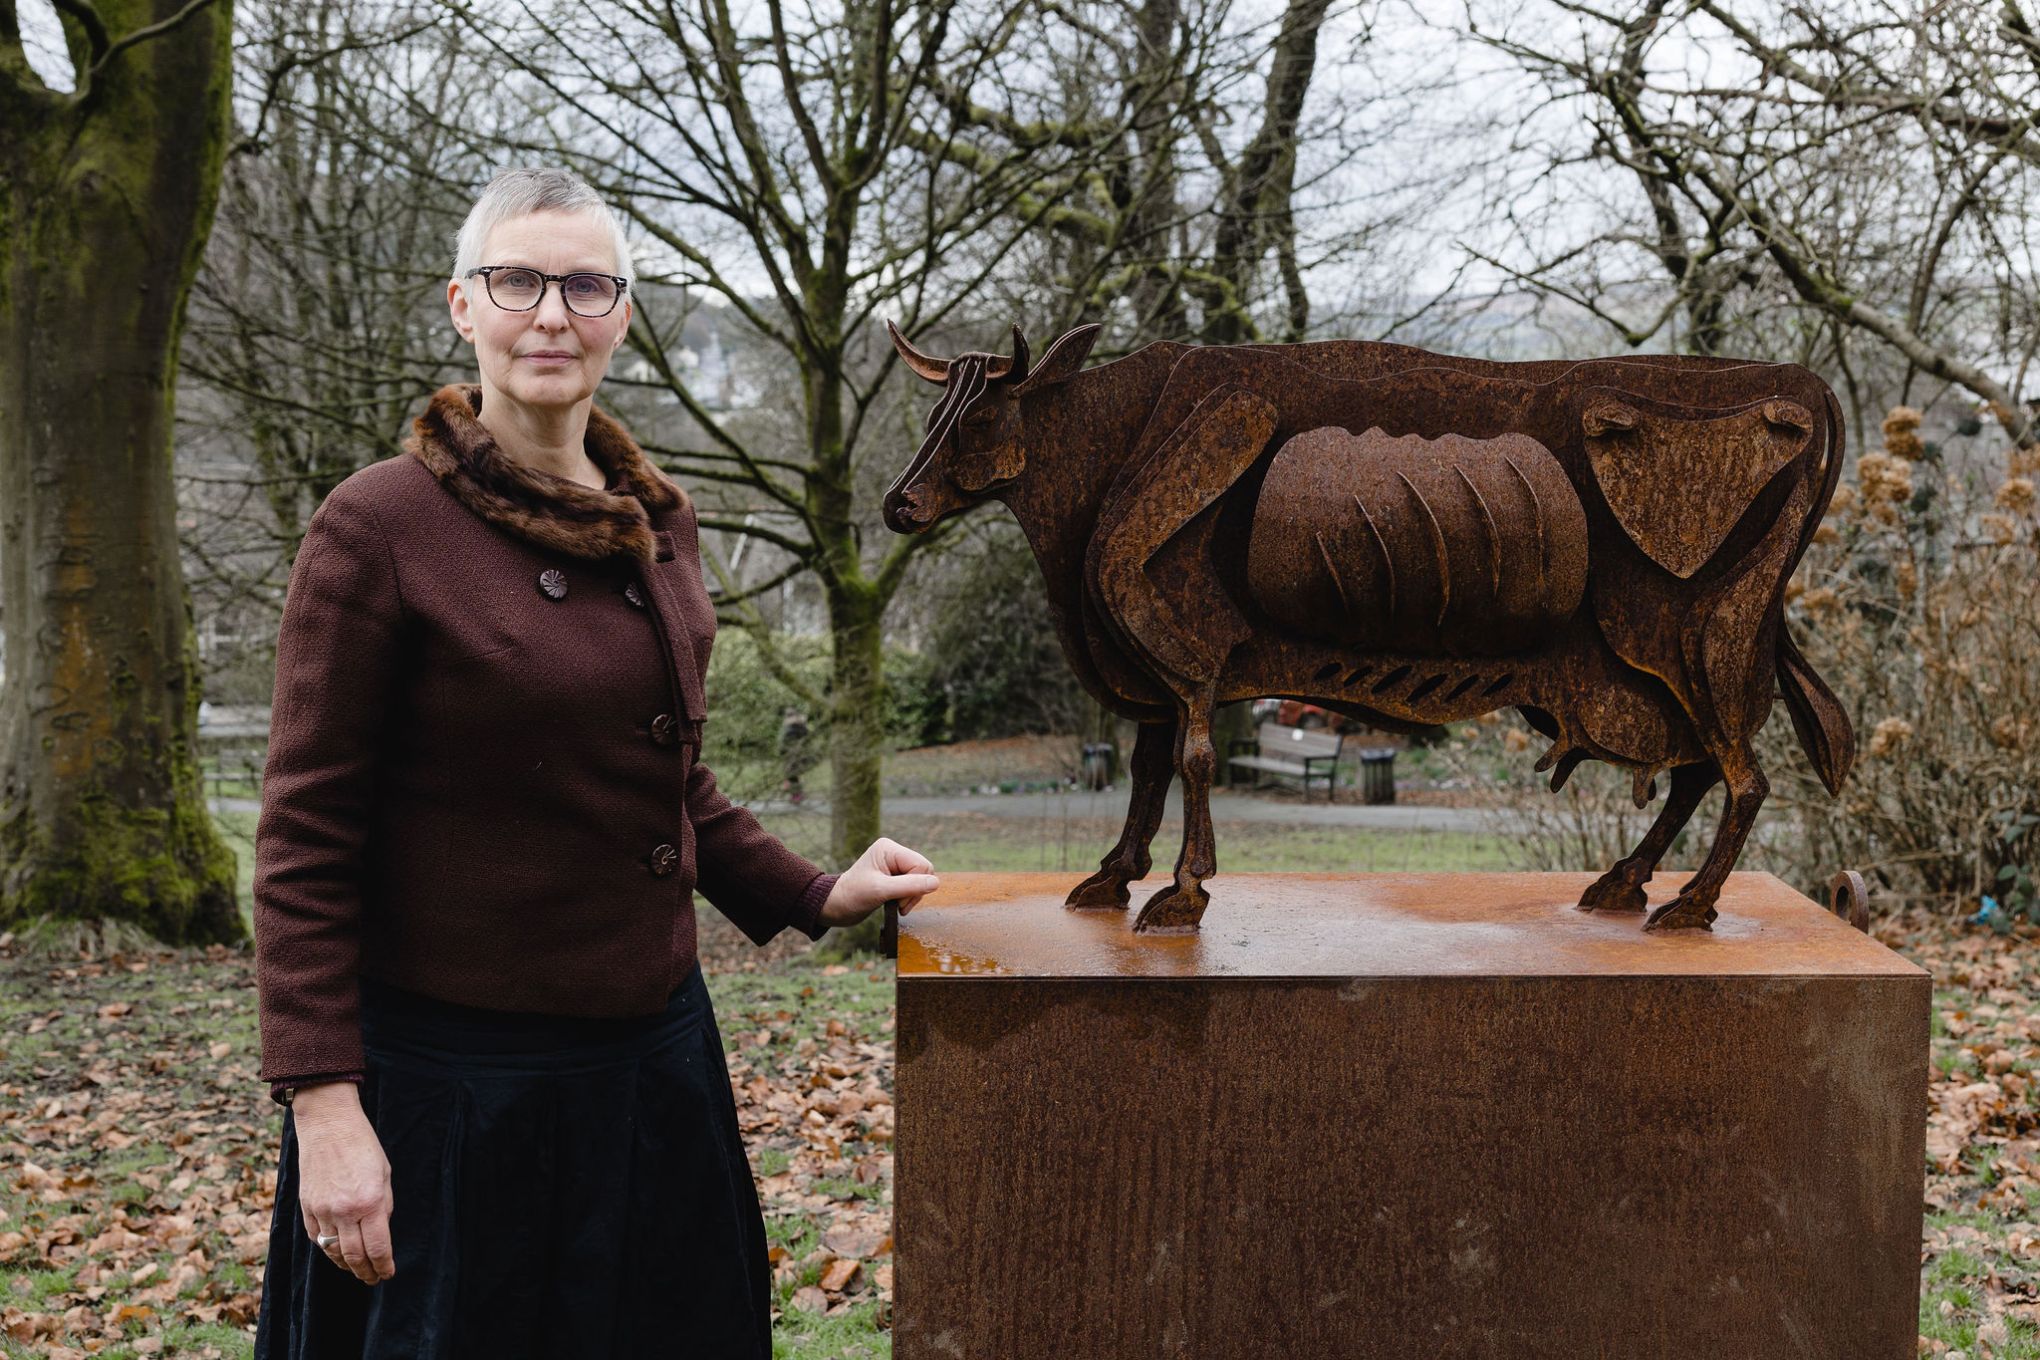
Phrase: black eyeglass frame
{"type": "Point", "coordinates": [488, 285]}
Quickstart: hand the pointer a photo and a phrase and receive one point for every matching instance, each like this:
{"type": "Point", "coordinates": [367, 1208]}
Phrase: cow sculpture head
{"type": "Point", "coordinates": [976, 440]}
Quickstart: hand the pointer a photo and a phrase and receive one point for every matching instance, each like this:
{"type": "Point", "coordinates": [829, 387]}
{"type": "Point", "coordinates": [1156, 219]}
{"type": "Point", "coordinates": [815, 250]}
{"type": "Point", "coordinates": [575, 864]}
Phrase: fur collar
{"type": "Point", "coordinates": [550, 511]}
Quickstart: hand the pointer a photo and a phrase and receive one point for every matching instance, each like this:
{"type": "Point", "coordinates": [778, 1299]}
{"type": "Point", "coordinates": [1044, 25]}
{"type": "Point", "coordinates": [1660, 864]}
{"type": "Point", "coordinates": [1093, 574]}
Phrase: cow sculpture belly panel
{"type": "Point", "coordinates": [1410, 538]}
{"type": "Point", "coordinates": [1462, 547]}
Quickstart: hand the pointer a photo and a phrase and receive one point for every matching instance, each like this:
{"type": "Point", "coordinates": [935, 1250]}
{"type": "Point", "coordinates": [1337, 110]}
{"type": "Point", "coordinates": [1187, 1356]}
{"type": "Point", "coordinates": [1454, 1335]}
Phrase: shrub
{"type": "Point", "coordinates": [747, 701]}
{"type": "Point", "coordinates": [993, 664]}
{"type": "Point", "coordinates": [1917, 603]}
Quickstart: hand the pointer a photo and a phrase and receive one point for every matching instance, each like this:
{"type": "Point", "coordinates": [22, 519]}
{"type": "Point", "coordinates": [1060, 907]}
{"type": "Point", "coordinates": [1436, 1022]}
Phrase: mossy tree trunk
{"type": "Point", "coordinates": [107, 199]}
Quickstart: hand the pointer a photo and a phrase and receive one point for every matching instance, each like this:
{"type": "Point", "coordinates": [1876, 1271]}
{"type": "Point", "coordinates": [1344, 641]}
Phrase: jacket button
{"type": "Point", "coordinates": [665, 859]}
{"type": "Point", "coordinates": [664, 730]}
{"type": "Point", "coordinates": [553, 582]}
{"type": "Point", "coordinates": [634, 595]}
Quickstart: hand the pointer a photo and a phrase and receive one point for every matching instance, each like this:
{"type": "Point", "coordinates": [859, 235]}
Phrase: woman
{"type": "Point", "coordinates": [509, 1128]}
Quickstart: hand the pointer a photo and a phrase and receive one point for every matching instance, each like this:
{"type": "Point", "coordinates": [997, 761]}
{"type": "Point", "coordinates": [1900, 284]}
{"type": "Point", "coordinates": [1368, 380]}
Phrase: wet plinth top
{"type": "Point", "coordinates": [1377, 925]}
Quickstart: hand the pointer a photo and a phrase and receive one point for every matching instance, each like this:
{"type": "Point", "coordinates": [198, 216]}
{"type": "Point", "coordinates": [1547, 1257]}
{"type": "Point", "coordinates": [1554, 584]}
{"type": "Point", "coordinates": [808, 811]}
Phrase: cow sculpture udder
{"type": "Point", "coordinates": [1410, 538]}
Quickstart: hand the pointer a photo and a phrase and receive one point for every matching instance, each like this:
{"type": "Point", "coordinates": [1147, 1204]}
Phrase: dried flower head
{"type": "Point", "coordinates": [2012, 733]}
{"type": "Point", "coordinates": [1907, 577]}
{"type": "Point", "coordinates": [2016, 495]}
{"type": "Point", "coordinates": [2000, 529]}
{"type": "Point", "coordinates": [1890, 735]}
{"type": "Point", "coordinates": [1884, 481]}
{"type": "Point", "coordinates": [1826, 533]}
{"type": "Point", "coordinates": [1820, 600]}
{"type": "Point", "coordinates": [1844, 499]}
{"type": "Point", "coordinates": [1515, 740]}
{"type": "Point", "coordinates": [1901, 433]}
{"type": "Point", "coordinates": [2022, 462]}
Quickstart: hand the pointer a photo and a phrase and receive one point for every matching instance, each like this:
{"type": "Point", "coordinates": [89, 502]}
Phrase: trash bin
{"type": "Point", "coordinates": [1100, 764]}
{"type": "Point", "coordinates": [1377, 774]}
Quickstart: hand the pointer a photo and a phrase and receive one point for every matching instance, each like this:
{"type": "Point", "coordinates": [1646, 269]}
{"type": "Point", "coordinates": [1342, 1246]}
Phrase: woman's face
{"type": "Point", "coordinates": [549, 356]}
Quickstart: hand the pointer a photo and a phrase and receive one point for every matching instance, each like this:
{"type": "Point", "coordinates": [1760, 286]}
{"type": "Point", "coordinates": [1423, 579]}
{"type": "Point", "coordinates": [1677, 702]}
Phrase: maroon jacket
{"type": "Point", "coordinates": [483, 779]}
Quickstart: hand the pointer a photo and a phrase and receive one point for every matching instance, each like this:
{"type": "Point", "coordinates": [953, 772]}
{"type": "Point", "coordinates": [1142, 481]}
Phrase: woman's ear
{"type": "Point", "coordinates": [457, 307]}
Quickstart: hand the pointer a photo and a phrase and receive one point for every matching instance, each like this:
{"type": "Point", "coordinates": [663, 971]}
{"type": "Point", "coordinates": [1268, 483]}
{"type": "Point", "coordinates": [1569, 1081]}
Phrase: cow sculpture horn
{"type": "Point", "coordinates": [933, 369]}
{"type": "Point", "coordinates": [1015, 370]}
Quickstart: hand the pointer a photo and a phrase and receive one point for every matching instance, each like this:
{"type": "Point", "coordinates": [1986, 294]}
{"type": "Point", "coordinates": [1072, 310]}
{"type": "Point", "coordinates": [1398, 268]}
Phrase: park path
{"type": "Point", "coordinates": [1110, 804]}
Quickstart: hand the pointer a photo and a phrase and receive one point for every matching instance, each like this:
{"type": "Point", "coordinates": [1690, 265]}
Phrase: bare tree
{"type": "Point", "coordinates": [318, 319]}
{"type": "Point", "coordinates": [108, 195]}
{"type": "Point", "coordinates": [1871, 161]}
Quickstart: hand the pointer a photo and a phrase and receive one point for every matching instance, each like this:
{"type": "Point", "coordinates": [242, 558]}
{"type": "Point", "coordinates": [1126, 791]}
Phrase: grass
{"type": "Point", "coordinates": [981, 842]}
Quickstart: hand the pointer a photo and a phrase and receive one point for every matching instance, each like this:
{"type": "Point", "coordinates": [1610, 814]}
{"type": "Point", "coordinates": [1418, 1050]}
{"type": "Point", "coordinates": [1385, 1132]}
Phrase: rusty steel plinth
{"type": "Point", "coordinates": [1388, 1115]}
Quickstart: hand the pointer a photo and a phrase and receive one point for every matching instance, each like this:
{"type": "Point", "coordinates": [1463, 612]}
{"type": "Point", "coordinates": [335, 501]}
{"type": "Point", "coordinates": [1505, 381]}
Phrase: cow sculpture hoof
{"type": "Point", "coordinates": [1612, 891]}
{"type": "Point", "coordinates": [1101, 889]}
{"type": "Point", "coordinates": [1687, 911]}
{"type": "Point", "coordinates": [1172, 910]}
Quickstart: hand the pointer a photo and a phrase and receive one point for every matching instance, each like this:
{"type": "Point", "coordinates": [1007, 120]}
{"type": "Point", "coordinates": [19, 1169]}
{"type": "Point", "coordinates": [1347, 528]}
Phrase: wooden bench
{"type": "Point", "coordinates": [1299, 752]}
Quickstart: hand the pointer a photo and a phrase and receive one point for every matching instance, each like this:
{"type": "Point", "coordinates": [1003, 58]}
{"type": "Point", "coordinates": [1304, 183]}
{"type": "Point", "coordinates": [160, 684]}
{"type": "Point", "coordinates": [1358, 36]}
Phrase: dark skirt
{"type": "Point", "coordinates": [561, 1186]}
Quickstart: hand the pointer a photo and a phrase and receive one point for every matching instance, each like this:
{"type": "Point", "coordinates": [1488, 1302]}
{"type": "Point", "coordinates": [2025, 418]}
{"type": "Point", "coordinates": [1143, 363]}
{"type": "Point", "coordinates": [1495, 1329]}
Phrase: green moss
{"type": "Point", "coordinates": [165, 870]}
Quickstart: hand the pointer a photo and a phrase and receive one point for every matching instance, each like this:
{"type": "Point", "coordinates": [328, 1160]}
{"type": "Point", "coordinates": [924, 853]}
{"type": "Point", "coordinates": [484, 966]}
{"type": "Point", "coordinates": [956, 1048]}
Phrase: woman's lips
{"type": "Point", "coordinates": [548, 356]}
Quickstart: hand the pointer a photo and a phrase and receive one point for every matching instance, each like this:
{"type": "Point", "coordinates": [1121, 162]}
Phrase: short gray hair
{"type": "Point", "coordinates": [531, 189]}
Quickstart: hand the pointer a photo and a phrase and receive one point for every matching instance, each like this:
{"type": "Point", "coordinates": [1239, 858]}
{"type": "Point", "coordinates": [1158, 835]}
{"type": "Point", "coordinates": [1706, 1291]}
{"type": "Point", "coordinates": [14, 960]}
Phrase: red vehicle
{"type": "Point", "coordinates": [1297, 713]}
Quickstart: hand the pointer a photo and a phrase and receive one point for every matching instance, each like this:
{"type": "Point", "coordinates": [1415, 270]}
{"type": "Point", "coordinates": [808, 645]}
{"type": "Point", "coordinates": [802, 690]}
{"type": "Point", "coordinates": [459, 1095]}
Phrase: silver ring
{"type": "Point", "coordinates": [328, 1239]}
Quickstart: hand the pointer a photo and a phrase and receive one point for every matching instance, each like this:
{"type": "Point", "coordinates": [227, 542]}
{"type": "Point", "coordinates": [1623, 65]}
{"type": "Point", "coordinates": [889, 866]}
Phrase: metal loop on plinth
{"type": "Point", "coordinates": [1849, 898]}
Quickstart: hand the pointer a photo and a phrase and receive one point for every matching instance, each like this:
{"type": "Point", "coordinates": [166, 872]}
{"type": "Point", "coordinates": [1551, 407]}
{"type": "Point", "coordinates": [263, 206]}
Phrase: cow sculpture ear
{"type": "Point", "coordinates": [1064, 358]}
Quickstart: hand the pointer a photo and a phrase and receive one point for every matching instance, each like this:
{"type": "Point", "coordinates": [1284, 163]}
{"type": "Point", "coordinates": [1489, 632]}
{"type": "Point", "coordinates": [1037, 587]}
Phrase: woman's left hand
{"type": "Point", "coordinates": [886, 871]}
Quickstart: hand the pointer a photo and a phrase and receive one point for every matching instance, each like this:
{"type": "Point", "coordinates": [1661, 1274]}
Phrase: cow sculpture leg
{"type": "Point", "coordinates": [1621, 888]}
{"type": "Point", "coordinates": [1693, 908]}
{"type": "Point", "coordinates": [1184, 642]}
{"type": "Point", "coordinates": [1152, 766]}
{"type": "Point", "coordinates": [1181, 905]}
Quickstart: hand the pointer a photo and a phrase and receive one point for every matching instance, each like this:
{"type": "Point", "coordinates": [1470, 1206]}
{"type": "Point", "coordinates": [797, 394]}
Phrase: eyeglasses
{"type": "Point", "coordinates": [517, 289]}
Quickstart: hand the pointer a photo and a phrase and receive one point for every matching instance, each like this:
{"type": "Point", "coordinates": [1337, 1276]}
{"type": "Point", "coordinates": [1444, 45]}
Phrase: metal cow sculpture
{"type": "Point", "coordinates": [1410, 538]}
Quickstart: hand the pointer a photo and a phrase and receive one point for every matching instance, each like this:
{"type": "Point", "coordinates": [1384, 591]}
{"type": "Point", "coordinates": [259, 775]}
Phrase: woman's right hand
{"type": "Point", "coordinates": [343, 1179]}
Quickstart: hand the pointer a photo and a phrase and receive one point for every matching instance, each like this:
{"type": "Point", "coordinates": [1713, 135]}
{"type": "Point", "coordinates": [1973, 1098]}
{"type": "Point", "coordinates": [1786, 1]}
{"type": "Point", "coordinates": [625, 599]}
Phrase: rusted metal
{"type": "Point", "coordinates": [1403, 1116]}
{"type": "Point", "coordinates": [1410, 538]}
{"type": "Point", "coordinates": [1849, 898]}
{"type": "Point", "coordinates": [1402, 925]}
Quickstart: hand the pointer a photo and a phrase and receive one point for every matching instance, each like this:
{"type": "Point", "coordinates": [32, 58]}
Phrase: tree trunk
{"type": "Point", "coordinates": [108, 200]}
{"type": "Point", "coordinates": [856, 736]}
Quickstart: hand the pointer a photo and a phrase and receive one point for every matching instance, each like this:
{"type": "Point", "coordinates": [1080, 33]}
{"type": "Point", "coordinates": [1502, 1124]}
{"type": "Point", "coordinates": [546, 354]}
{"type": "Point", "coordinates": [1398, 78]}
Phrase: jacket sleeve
{"type": "Point", "coordinates": [746, 872]}
{"type": "Point", "coordinates": [336, 667]}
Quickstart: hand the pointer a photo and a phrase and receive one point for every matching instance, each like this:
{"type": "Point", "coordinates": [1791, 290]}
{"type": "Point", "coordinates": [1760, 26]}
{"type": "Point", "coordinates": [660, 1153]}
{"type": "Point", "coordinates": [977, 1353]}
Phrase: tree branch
{"type": "Point", "coordinates": [142, 34]}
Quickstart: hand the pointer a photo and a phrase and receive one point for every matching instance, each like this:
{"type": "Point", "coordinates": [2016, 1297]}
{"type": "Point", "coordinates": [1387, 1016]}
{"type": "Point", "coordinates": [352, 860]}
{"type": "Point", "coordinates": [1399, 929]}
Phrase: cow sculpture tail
{"type": "Point", "coordinates": [1818, 718]}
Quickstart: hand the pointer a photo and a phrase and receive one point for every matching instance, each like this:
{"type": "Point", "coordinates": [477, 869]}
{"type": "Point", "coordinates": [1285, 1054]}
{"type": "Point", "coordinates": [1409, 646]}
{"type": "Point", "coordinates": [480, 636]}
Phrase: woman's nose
{"type": "Point", "coordinates": [552, 310]}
